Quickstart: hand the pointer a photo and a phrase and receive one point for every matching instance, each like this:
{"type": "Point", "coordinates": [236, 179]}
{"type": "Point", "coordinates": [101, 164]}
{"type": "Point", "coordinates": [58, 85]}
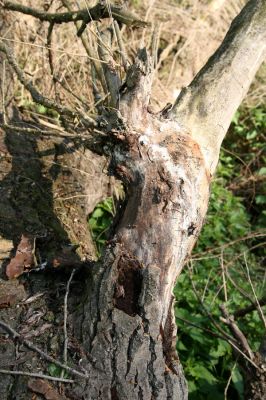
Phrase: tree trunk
{"type": "Point", "coordinates": [129, 325]}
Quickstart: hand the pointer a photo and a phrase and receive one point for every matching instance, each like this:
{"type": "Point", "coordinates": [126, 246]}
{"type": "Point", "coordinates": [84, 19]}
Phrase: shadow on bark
{"type": "Point", "coordinates": [34, 172]}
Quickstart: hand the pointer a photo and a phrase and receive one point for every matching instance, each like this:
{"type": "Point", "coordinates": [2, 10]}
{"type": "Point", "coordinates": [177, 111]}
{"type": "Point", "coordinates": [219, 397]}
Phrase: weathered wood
{"type": "Point", "coordinates": [206, 107]}
{"type": "Point", "coordinates": [129, 326]}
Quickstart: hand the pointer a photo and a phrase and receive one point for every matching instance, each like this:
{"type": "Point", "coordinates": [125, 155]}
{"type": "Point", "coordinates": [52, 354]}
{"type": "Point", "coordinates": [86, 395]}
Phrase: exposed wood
{"type": "Point", "coordinates": [206, 107]}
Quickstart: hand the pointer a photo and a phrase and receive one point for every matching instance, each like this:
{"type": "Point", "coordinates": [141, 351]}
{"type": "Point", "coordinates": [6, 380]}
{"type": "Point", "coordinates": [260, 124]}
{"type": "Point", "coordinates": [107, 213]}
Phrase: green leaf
{"type": "Point", "coordinates": [261, 199]}
{"type": "Point", "coordinates": [200, 372]}
{"type": "Point", "coordinates": [55, 370]}
{"type": "Point", "coordinates": [262, 171]}
{"type": "Point", "coordinates": [97, 213]}
{"type": "Point", "coordinates": [238, 382]}
{"type": "Point", "coordinates": [251, 135]}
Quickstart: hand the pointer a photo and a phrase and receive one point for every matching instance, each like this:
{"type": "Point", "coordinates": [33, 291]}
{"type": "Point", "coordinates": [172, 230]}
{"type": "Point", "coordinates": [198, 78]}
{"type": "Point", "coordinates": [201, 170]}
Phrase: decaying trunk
{"type": "Point", "coordinates": [126, 325]}
{"type": "Point", "coordinates": [133, 339]}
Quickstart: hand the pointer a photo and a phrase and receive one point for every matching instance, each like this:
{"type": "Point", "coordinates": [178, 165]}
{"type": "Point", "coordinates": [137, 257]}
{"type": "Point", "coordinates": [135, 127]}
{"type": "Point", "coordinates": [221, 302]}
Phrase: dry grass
{"type": "Point", "coordinates": [189, 32]}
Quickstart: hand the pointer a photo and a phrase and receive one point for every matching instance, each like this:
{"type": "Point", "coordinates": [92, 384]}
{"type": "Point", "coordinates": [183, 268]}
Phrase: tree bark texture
{"type": "Point", "coordinates": [129, 325]}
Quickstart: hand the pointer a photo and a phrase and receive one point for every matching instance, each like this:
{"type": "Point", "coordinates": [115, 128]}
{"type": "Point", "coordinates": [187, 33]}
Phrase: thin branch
{"type": "Point", "coordinates": [121, 46]}
{"type": "Point", "coordinates": [214, 334]}
{"type": "Point", "coordinates": [99, 11]}
{"type": "Point", "coordinates": [31, 131]}
{"type": "Point", "coordinates": [251, 235]}
{"type": "Point", "coordinates": [49, 45]}
{"type": "Point", "coordinates": [237, 333]}
{"type": "Point", "coordinates": [35, 94]}
{"type": "Point", "coordinates": [16, 336]}
{"type": "Point", "coordinates": [36, 375]}
{"type": "Point", "coordinates": [3, 91]}
{"type": "Point", "coordinates": [111, 75]}
{"type": "Point", "coordinates": [254, 293]}
{"type": "Point", "coordinates": [65, 316]}
{"type": "Point", "coordinates": [206, 311]}
{"type": "Point", "coordinates": [206, 107]}
{"type": "Point", "coordinates": [155, 43]}
{"type": "Point", "coordinates": [228, 382]}
{"type": "Point", "coordinates": [90, 51]}
{"type": "Point", "coordinates": [252, 307]}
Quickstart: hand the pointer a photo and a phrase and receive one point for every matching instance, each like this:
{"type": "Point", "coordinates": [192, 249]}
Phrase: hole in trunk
{"type": "Point", "coordinates": [128, 286]}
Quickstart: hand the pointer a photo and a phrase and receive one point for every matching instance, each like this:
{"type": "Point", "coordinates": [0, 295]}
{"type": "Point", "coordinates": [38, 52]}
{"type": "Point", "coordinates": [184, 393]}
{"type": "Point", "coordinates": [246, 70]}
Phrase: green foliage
{"type": "Point", "coordinates": [39, 109]}
{"type": "Point", "coordinates": [100, 221]}
{"type": "Point", "coordinates": [56, 371]}
{"type": "Point", "coordinates": [208, 360]}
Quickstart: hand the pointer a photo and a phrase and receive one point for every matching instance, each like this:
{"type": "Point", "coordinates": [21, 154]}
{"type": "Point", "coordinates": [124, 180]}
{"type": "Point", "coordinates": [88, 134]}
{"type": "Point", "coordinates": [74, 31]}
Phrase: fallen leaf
{"type": "Point", "coordinates": [43, 387]}
{"type": "Point", "coordinates": [7, 300]}
{"type": "Point", "coordinates": [12, 293]}
{"type": "Point", "coordinates": [5, 248]}
{"type": "Point", "coordinates": [24, 258]}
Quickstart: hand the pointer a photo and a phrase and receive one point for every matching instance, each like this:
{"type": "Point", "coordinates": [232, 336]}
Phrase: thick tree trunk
{"type": "Point", "coordinates": [129, 325]}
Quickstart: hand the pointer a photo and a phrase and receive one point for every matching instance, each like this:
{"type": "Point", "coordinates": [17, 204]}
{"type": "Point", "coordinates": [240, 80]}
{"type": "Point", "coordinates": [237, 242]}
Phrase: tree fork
{"type": "Point", "coordinates": [129, 326]}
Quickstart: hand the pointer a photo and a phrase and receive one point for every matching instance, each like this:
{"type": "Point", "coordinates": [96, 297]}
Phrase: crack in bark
{"type": "Point", "coordinates": [130, 350]}
{"type": "Point", "coordinates": [140, 393]}
{"type": "Point", "coordinates": [154, 384]}
{"type": "Point", "coordinates": [114, 395]}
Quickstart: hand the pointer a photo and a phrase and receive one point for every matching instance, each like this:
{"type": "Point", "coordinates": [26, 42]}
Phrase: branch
{"type": "Point", "coordinates": [37, 97]}
{"type": "Point", "coordinates": [236, 332]}
{"type": "Point", "coordinates": [16, 336]}
{"type": "Point", "coordinates": [35, 94]}
{"type": "Point", "coordinates": [36, 375]}
{"type": "Point", "coordinates": [99, 11]}
{"type": "Point", "coordinates": [111, 76]}
{"type": "Point", "coordinates": [207, 105]}
{"type": "Point", "coordinates": [254, 306]}
{"type": "Point", "coordinates": [89, 50]}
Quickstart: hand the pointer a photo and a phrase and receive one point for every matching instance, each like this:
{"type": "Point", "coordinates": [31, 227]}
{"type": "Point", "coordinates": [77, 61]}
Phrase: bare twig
{"type": "Point", "coordinates": [36, 375]}
{"type": "Point", "coordinates": [155, 43]}
{"type": "Point", "coordinates": [111, 76]}
{"type": "Point", "coordinates": [243, 311]}
{"type": "Point", "coordinates": [223, 275]}
{"type": "Point", "coordinates": [31, 131]}
{"type": "Point", "coordinates": [96, 13]}
{"type": "Point", "coordinates": [217, 326]}
{"type": "Point", "coordinates": [262, 316]}
{"type": "Point", "coordinates": [251, 235]}
{"type": "Point", "coordinates": [3, 91]}
{"type": "Point", "coordinates": [90, 51]}
{"type": "Point", "coordinates": [237, 333]}
{"type": "Point", "coordinates": [217, 335]}
{"type": "Point", "coordinates": [16, 336]}
{"type": "Point", "coordinates": [65, 316]}
{"type": "Point", "coordinates": [35, 94]}
{"type": "Point", "coordinates": [228, 382]}
{"type": "Point", "coordinates": [121, 46]}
